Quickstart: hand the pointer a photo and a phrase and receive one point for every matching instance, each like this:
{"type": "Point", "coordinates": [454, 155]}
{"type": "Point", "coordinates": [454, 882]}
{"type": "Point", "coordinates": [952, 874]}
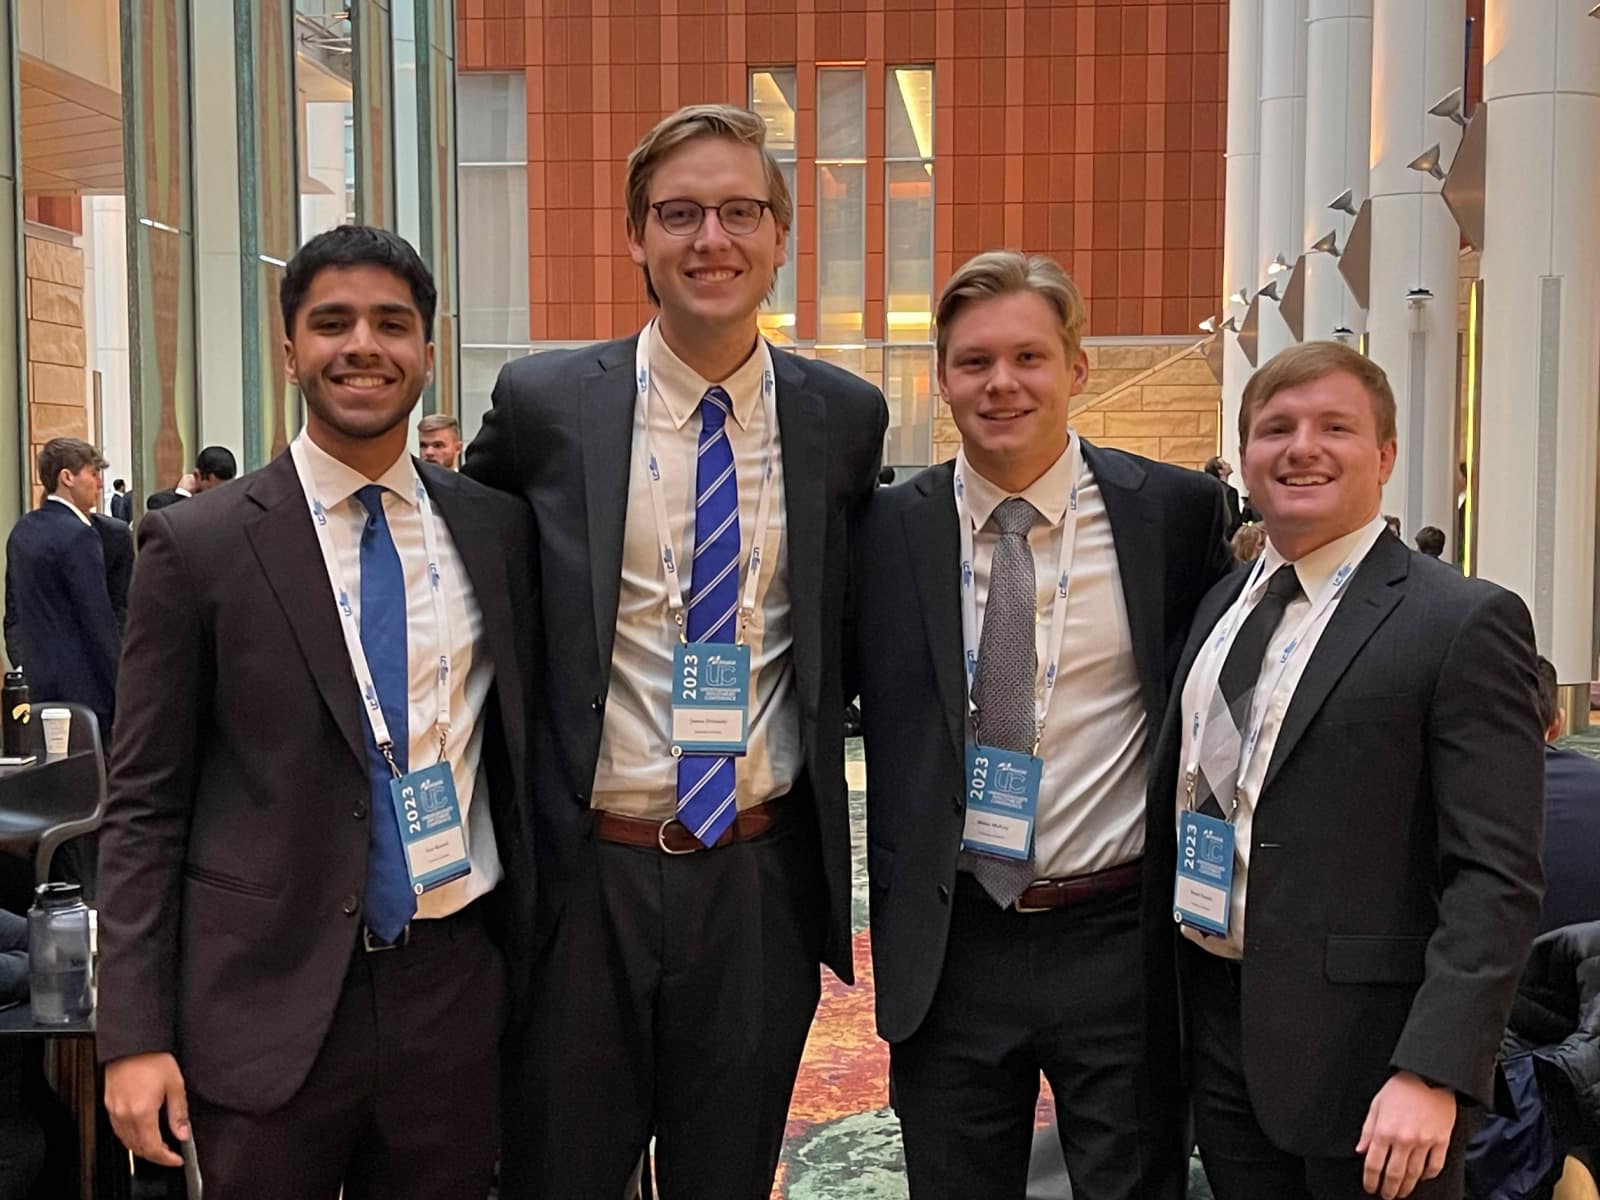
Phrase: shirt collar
{"type": "Point", "coordinates": [1317, 567]}
{"type": "Point", "coordinates": [76, 511]}
{"type": "Point", "coordinates": [1048, 494]}
{"type": "Point", "coordinates": [681, 387]}
{"type": "Point", "coordinates": [336, 482]}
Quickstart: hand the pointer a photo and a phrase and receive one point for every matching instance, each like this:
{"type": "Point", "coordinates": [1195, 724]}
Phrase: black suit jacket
{"type": "Point", "coordinates": [60, 626]}
{"type": "Point", "coordinates": [1394, 866]}
{"type": "Point", "coordinates": [122, 507]}
{"type": "Point", "coordinates": [1571, 839]}
{"type": "Point", "coordinates": [560, 434]}
{"type": "Point", "coordinates": [165, 498]}
{"type": "Point", "coordinates": [116, 543]}
{"type": "Point", "coordinates": [234, 852]}
{"type": "Point", "coordinates": [1167, 524]}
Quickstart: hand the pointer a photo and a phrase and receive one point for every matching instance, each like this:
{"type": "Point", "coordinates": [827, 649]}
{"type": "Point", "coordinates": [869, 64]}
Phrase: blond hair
{"type": "Point", "coordinates": [737, 125]}
{"type": "Point", "coordinates": [434, 422]}
{"type": "Point", "coordinates": [1002, 273]}
{"type": "Point", "coordinates": [1307, 362]}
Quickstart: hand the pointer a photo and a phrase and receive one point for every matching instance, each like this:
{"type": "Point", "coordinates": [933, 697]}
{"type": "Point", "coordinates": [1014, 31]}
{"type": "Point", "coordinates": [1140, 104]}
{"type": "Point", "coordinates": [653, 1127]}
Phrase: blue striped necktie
{"type": "Point", "coordinates": [390, 902]}
{"type": "Point", "coordinates": [705, 781]}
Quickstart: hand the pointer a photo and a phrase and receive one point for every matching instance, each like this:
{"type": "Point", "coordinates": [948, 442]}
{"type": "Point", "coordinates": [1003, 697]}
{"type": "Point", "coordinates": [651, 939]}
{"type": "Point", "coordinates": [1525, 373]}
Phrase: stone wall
{"type": "Point", "coordinates": [57, 386]}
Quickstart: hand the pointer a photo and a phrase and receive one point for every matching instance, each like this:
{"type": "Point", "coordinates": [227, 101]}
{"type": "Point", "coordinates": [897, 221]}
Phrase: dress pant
{"type": "Point", "coordinates": [1060, 992]}
{"type": "Point", "coordinates": [673, 1000]}
{"type": "Point", "coordinates": [1241, 1162]}
{"type": "Point", "coordinates": [403, 1098]}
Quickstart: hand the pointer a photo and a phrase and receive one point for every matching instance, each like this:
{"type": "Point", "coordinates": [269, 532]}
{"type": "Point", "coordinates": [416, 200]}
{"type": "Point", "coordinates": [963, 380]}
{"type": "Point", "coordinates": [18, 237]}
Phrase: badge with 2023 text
{"type": "Point", "coordinates": [710, 698]}
{"type": "Point", "coordinates": [1002, 801]}
{"type": "Point", "coordinates": [425, 804]}
{"type": "Point", "coordinates": [1203, 892]}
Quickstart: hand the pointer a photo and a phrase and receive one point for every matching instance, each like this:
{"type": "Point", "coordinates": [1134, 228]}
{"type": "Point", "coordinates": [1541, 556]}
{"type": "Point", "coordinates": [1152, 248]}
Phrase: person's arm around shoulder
{"type": "Point", "coordinates": [1485, 761]}
{"type": "Point", "coordinates": [165, 679]}
{"type": "Point", "coordinates": [1218, 560]}
{"type": "Point", "coordinates": [865, 482]}
{"type": "Point", "coordinates": [491, 459]}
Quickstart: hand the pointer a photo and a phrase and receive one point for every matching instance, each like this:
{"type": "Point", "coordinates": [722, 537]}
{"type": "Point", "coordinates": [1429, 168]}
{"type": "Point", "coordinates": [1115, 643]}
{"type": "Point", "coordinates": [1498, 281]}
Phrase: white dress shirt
{"type": "Point", "coordinates": [636, 774]}
{"type": "Point", "coordinates": [471, 670]}
{"type": "Point", "coordinates": [71, 507]}
{"type": "Point", "coordinates": [1314, 570]}
{"type": "Point", "coordinates": [1092, 793]}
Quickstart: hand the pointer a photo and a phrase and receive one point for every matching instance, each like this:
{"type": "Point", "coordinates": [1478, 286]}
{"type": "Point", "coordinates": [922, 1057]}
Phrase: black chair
{"type": "Point", "coordinates": [45, 805]}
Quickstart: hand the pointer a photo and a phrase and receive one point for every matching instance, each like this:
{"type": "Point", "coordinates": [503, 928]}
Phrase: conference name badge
{"type": "Point", "coordinates": [429, 814]}
{"type": "Point", "coordinates": [710, 698]}
{"type": "Point", "coordinates": [1203, 892]}
{"type": "Point", "coordinates": [1002, 801]}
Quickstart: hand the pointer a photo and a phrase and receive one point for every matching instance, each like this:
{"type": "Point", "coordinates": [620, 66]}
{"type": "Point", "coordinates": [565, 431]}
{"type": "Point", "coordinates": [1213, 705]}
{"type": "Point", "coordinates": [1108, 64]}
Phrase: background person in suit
{"type": "Point", "coordinates": [121, 502]}
{"type": "Point", "coordinates": [268, 974]}
{"type": "Point", "coordinates": [989, 972]}
{"type": "Point", "coordinates": [116, 544]}
{"type": "Point", "coordinates": [1571, 820]}
{"type": "Point", "coordinates": [213, 465]}
{"type": "Point", "coordinates": [1221, 470]}
{"type": "Point", "coordinates": [60, 626]}
{"type": "Point", "coordinates": [676, 982]}
{"type": "Point", "coordinates": [439, 440]}
{"type": "Point", "coordinates": [1386, 881]}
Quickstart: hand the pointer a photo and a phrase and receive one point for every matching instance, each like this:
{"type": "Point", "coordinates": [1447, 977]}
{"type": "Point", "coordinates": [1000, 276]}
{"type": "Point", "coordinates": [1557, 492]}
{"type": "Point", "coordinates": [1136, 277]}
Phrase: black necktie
{"type": "Point", "coordinates": [1242, 669]}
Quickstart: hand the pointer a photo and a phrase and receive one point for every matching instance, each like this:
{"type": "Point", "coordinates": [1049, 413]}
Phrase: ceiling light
{"type": "Point", "coordinates": [1428, 162]}
{"type": "Point", "coordinates": [1270, 291]}
{"type": "Point", "coordinates": [1344, 202]}
{"type": "Point", "coordinates": [1450, 106]}
{"type": "Point", "coordinates": [1239, 298]}
{"type": "Point", "coordinates": [1328, 243]}
{"type": "Point", "coordinates": [1278, 266]}
{"type": "Point", "coordinates": [1209, 325]}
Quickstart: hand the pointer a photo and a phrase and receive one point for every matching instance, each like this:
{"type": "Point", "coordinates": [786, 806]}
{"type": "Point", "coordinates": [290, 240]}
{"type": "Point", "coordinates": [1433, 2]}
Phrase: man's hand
{"type": "Point", "coordinates": [186, 484]}
{"type": "Point", "coordinates": [136, 1089]}
{"type": "Point", "coordinates": [1406, 1136]}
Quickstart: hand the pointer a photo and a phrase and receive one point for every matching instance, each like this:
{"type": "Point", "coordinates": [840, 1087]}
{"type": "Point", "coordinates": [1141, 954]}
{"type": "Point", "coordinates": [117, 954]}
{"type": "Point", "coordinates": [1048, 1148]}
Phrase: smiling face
{"type": "Point", "coordinates": [358, 352]}
{"type": "Point", "coordinates": [709, 281]}
{"type": "Point", "coordinates": [1313, 463]}
{"type": "Point", "coordinates": [1009, 382]}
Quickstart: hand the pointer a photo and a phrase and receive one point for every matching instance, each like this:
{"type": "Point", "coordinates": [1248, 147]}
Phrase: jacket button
{"type": "Point", "coordinates": [580, 797]}
{"type": "Point", "coordinates": [359, 812]}
{"type": "Point", "coordinates": [350, 906]}
{"type": "Point", "coordinates": [955, 803]}
{"type": "Point", "coordinates": [598, 704]}
{"type": "Point", "coordinates": [944, 894]}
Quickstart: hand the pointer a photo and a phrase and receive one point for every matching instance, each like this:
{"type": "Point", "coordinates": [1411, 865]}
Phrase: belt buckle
{"type": "Point", "coordinates": [373, 947]}
{"type": "Point", "coordinates": [661, 837]}
{"type": "Point", "coordinates": [1020, 907]}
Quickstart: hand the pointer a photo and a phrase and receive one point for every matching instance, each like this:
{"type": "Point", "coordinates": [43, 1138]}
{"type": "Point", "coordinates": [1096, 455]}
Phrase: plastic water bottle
{"type": "Point", "coordinates": [60, 974]}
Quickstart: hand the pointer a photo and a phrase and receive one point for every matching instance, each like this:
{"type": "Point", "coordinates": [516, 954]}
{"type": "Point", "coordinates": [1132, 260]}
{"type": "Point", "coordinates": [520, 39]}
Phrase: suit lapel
{"type": "Point", "coordinates": [934, 541]}
{"type": "Point", "coordinates": [803, 438]}
{"type": "Point", "coordinates": [286, 546]}
{"type": "Point", "coordinates": [1140, 552]}
{"type": "Point", "coordinates": [482, 559]}
{"type": "Point", "coordinates": [1374, 592]}
{"type": "Point", "coordinates": [608, 410]}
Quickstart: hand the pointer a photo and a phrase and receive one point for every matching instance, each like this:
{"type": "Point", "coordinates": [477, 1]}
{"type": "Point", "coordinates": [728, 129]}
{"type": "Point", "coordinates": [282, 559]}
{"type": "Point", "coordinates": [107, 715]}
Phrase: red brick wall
{"type": "Point", "coordinates": [1089, 130]}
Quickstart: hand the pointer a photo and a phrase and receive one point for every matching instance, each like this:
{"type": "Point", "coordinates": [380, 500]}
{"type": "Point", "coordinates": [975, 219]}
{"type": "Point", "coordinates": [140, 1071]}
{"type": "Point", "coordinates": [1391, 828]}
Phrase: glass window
{"type": "Point", "coordinates": [493, 185]}
{"type": "Point", "coordinates": [841, 205]}
{"type": "Point", "coordinates": [841, 113]}
{"type": "Point", "coordinates": [908, 387]}
{"type": "Point", "coordinates": [773, 98]}
{"type": "Point", "coordinates": [908, 104]}
{"type": "Point", "coordinates": [908, 246]}
{"type": "Point", "coordinates": [323, 110]}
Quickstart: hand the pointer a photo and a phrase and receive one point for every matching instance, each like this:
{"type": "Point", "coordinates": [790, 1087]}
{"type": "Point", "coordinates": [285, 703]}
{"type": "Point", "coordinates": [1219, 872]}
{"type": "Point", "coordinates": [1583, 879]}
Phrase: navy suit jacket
{"type": "Point", "coordinates": [1571, 839]}
{"type": "Point", "coordinates": [59, 623]}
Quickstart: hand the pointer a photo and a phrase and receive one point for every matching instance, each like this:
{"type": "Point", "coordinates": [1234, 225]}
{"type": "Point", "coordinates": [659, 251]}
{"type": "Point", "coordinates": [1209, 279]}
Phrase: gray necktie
{"type": "Point", "coordinates": [1008, 662]}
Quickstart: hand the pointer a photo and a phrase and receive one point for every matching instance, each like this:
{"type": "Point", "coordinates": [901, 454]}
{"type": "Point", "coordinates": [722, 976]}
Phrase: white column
{"type": "Point", "coordinates": [219, 307]}
{"type": "Point", "coordinates": [1418, 49]}
{"type": "Point", "coordinates": [1338, 139]}
{"type": "Point", "coordinates": [1541, 319]}
{"type": "Point", "coordinates": [1283, 156]}
{"type": "Point", "coordinates": [1239, 235]}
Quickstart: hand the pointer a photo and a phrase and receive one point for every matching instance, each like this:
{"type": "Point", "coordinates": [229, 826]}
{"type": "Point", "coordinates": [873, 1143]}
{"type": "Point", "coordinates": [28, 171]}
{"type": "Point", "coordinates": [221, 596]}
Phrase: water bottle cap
{"type": "Point", "coordinates": [58, 895]}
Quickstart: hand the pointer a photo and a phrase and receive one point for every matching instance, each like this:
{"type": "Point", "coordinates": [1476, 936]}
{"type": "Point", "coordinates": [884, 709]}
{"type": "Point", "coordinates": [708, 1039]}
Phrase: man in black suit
{"type": "Point", "coordinates": [1014, 926]}
{"type": "Point", "coordinates": [686, 901]}
{"type": "Point", "coordinates": [121, 502]}
{"type": "Point", "coordinates": [1355, 767]}
{"type": "Point", "coordinates": [59, 624]}
{"type": "Point", "coordinates": [309, 903]}
{"type": "Point", "coordinates": [213, 465]}
{"type": "Point", "coordinates": [1221, 469]}
{"type": "Point", "coordinates": [1571, 820]}
{"type": "Point", "coordinates": [116, 544]}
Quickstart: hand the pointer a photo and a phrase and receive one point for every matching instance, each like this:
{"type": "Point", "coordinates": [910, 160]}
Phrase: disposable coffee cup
{"type": "Point", "coordinates": [57, 724]}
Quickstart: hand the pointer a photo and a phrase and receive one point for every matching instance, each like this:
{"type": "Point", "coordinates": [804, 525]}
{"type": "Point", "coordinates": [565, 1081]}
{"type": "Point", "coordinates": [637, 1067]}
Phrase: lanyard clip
{"type": "Point", "coordinates": [388, 754]}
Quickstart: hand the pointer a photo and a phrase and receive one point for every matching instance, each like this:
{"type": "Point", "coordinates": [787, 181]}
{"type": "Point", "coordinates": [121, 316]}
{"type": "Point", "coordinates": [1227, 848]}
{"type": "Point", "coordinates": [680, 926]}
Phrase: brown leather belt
{"type": "Point", "coordinates": [673, 837]}
{"type": "Point", "coordinates": [1045, 894]}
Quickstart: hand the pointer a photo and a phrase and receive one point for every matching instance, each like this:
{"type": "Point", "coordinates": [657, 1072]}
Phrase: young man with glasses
{"type": "Point", "coordinates": [694, 490]}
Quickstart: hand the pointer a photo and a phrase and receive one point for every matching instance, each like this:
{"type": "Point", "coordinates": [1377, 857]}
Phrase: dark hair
{"type": "Point", "coordinates": [65, 454]}
{"type": "Point", "coordinates": [357, 246]}
{"type": "Point", "coordinates": [1549, 697]}
{"type": "Point", "coordinates": [216, 462]}
{"type": "Point", "coordinates": [118, 484]}
{"type": "Point", "coordinates": [1430, 540]}
{"type": "Point", "coordinates": [1213, 466]}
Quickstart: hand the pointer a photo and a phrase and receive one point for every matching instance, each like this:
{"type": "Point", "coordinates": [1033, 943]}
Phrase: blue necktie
{"type": "Point", "coordinates": [390, 902]}
{"type": "Point", "coordinates": [705, 781]}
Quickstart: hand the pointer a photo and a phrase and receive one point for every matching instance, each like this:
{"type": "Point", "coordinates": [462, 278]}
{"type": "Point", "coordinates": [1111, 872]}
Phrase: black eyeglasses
{"type": "Point", "coordinates": [738, 216]}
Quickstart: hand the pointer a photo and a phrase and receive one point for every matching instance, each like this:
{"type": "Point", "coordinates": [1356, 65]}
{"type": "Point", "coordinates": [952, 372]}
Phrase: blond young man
{"type": "Point", "coordinates": [439, 440]}
{"type": "Point", "coordinates": [1019, 612]}
{"type": "Point", "coordinates": [695, 491]}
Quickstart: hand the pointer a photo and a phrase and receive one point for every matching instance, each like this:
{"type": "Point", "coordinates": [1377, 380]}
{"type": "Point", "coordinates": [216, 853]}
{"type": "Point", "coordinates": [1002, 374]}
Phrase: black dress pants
{"type": "Point", "coordinates": [1241, 1162]}
{"type": "Point", "coordinates": [403, 1098]}
{"type": "Point", "coordinates": [1060, 992]}
{"type": "Point", "coordinates": [672, 1001]}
